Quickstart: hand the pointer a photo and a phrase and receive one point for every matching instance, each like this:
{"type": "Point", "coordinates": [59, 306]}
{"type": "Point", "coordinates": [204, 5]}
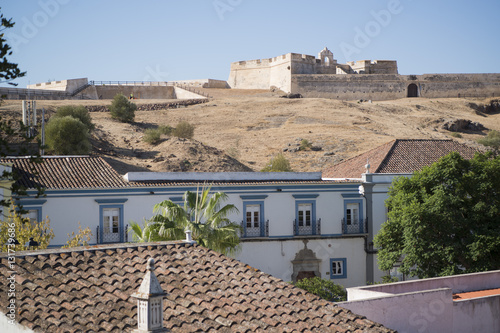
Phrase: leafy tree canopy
{"type": "Point", "coordinates": [445, 219]}
{"type": "Point", "coordinates": [323, 288]}
{"type": "Point", "coordinates": [67, 136]}
{"type": "Point", "coordinates": [16, 227]}
{"type": "Point", "coordinates": [8, 70]}
{"type": "Point", "coordinates": [122, 109]}
{"type": "Point", "coordinates": [79, 112]}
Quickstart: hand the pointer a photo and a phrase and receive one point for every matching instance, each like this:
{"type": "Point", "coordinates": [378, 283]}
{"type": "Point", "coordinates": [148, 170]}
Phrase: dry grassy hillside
{"type": "Point", "coordinates": [252, 126]}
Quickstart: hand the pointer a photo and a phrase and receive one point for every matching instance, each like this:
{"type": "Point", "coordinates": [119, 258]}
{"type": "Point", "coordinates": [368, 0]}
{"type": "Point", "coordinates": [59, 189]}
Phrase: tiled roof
{"type": "Point", "coordinates": [61, 172]}
{"type": "Point", "coordinates": [89, 289]}
{"type": "Point", "coordinates": [399, 156]}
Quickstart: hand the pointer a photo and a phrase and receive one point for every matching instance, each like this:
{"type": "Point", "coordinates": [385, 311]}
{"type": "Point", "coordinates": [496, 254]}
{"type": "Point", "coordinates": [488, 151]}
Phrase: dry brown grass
{"type": "Point", "coordinates": [255, 125]}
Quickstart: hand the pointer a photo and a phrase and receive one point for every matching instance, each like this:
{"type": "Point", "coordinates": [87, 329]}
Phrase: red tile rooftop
{"type": "Point", "coordinates": [476, 294]}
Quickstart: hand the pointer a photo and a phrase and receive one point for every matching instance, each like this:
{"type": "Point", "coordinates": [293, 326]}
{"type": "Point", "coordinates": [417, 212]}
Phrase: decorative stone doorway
{"type": "Point", "coordinates": [412, 90]}
{"type": "Point", "coordinates": [305, 264]}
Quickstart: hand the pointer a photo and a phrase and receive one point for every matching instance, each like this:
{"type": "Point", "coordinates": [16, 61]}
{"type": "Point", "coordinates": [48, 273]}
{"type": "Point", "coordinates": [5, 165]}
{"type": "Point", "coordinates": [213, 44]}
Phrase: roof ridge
{"type": "Point", "coordinates": [98, 247]}
{"type": "Point", "coordinates": [388, 154]}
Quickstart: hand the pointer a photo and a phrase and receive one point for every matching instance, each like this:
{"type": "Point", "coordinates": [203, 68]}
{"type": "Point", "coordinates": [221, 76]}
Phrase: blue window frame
{"type": "Point", "coordinates": [338, 268]}
{"type": "Point", "coordinates": [111, 226]}
{"type": "Point", "coordinates": [353, 222]}
{"type": "Point", "coordinates": [305, 214]}
{"type": "Point", "coordinates": [33, 209]}
{"type": "Point", "coordinates": [253, 216]}
{"type": "Point", "coordinates": [253, 219]}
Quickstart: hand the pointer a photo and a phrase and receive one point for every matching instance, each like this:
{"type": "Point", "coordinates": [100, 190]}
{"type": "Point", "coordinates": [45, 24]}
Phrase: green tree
{"type": "Point", "coordinates": [77, 112]}
{"type": "Point", "coordinates": [8, 70]}
{"type": "Point", "coordinates": [323, 288]}
{"type": "Point", "coordinates": [202, 214]}
{"type": "Point", "coordinates": [67, 136]}
{"type": "Point", "coordinates": [15, 227]}
{"type": "Point", "coordinates": [445, 219]}
{"type": "Point", "coordinates": [491, 140]}
{"type": "Point", "coordinates": [278, 163]}
{"type": "Point", "coordinates": [10, 131]}
{"type": "Point", "coordinates": [122, 109]}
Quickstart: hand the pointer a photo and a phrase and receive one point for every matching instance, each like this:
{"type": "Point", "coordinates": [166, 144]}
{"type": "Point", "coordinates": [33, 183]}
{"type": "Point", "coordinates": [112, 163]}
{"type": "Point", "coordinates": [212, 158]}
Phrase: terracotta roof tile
{"type": "Point", "coordinates": [88, 289]}
{"type": "Point", "coordinates": [62, 172]}
{"type": "Point", "coordinates": [399, 156]}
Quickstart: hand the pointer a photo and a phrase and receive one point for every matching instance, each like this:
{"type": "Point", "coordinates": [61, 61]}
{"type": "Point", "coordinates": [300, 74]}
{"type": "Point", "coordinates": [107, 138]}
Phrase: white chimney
{"type": "Point", "coordinates": [150, 303]}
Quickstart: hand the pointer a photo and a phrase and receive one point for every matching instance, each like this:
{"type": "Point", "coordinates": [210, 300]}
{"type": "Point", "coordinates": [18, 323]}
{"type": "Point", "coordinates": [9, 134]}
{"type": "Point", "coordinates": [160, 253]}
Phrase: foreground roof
{"type": "Point", "coordinates": [89, 289]}
{"type": "Point", "coordinates": [399, 156]}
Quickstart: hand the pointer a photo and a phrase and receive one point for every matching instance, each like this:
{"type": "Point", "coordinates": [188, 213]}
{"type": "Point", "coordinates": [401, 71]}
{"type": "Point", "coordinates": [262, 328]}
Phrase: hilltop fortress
{"type": "Point", "coordinates": [324, 77]}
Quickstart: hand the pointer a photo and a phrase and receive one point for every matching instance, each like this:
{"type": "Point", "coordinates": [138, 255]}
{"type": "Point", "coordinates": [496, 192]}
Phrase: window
{"type": "Point", "coordinates": [353, 222]}
{"type": "Point", "coordinates": [304, 214]}
{"type": "Point", "coordinates": [338, 268]}
{"type": "Point", "coordinates": [110, 220]}
{"type": "Point", "coordinates": [111, 228]}
{"type": "Point", "coordinates": [253, 216]}
{"type": "Point", "coordinates": [352, 213]}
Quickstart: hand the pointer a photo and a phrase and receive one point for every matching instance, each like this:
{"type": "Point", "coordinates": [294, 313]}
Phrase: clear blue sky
{"type": "Point", "coordinates": [194, 39]}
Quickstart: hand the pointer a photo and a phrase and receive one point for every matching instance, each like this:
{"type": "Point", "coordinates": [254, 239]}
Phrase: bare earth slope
{"type": "Point", "coordinates": [252, 126]}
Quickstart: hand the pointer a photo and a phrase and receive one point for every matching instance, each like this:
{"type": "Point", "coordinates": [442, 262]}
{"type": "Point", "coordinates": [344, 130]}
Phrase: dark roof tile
{"type": "Point", "coordinates": [398, 156]}
{"type": "Point", "coordinates": [90, 290]}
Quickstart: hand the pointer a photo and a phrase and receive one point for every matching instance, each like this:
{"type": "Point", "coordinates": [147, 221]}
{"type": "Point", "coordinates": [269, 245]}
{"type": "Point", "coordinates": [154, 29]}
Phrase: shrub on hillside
{"type": "Point", "coordinates": [152, 135]}
{"type": "Point", "coordinates": [122, 109]}
{"type": "Point", "coordinates": [67, 136]}
{"type": "Point", "coordinates": [78, 112]}
{"type": "Point", "coordinates": [279, 163]}
{"type": "Point", "coordinates": [184, 130]}
{"type": "Point", "coordinates": [167, 130]}
{"type": "Point", "coordinates": [491, 140]}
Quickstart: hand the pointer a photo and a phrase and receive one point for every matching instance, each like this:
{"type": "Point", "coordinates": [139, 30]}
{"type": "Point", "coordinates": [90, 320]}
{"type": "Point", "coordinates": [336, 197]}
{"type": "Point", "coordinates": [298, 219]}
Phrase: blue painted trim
{"type": "Point", "coordinates": [305, 196]}
{"type": "Point", "coordinates": [261, 215]}
{"type": "Point", "coordinates": [331, 235]}
{"type": "Point", "coordinates": [253, 197]}
{"type": "Point", "coordinates": [313, 214]}
{"type": "Point", "coordinates": [110, 201]}
{"type": "Point", "coordinates": [282, 236]}
{"type": "Point", "coordinates": [351, 195]}
{"type": "Point", "coordinates": [340, 187]}
{"type": "Point", "coordinates": [344, 268]}
{"type": "Point", "coordinates": [120, 219]}
{"type": "Point", "coordinates": [32, 202]}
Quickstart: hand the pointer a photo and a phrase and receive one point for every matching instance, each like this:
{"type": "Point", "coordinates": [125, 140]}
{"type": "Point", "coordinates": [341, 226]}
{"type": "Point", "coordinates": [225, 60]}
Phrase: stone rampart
{"type": "Point", "coordinates": [385, 87]}
{"type": "Point", "coordinates": [64, 85]}
{"type": "Point", "coordinates": [142, 92]}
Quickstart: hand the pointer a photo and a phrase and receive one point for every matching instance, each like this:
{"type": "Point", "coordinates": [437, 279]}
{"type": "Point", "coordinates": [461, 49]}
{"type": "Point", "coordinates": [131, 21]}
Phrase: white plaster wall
{"type": "Point", "coordinates": [186, 94]}
{"type": "Point", "coordinates": [275, 257]}
{"type": "Point", "coordinates": [477, 315]}
{"type": "Point", "coordinates": [429, 311]}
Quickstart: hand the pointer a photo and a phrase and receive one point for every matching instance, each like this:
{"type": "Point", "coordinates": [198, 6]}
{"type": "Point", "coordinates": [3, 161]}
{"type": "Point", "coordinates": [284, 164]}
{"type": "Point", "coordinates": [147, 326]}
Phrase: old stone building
{"type": "Point", "coordinates": [324, 77]}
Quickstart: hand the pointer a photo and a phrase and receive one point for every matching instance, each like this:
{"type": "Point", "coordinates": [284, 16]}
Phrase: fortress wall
{"type": "Point", "coordinates": [63, 85]}
{"type": "Point", "coordinates": [143, 92]}
{"type": "Point", "coordinates": [385, 87]}
{"type": "Point", "coordinates": [451, 85]}
{"type": "Point", "coordinates": [349, 86]}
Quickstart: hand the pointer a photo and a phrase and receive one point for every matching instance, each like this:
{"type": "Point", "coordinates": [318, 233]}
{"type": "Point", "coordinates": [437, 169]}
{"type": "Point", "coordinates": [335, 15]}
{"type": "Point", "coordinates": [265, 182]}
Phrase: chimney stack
{"type": "Point", "coordinates": [150, 303]}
